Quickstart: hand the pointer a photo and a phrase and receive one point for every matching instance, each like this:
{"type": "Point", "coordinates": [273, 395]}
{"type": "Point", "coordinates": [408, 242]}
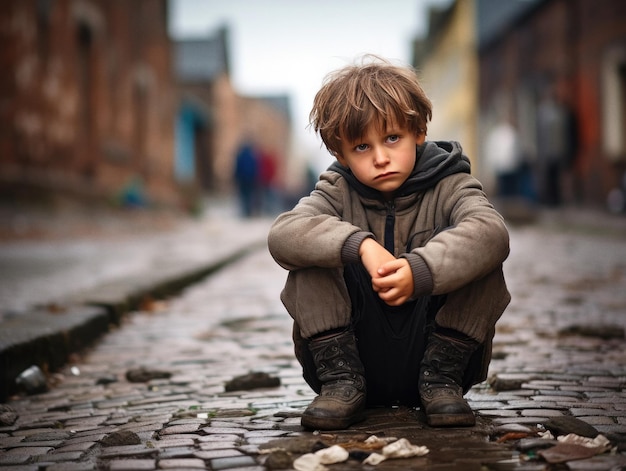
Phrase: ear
{"type": "Point", "coordinates": [420, 138]}
{"type": "Point", "coordinates": [341, 160]}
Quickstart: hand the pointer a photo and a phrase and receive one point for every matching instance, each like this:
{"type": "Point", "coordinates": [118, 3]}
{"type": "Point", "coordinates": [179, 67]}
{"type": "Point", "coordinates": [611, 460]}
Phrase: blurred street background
{"type": "Point", "coordinates": [149, 141]}
{"type": "Point", "coordinates": [158, 103]}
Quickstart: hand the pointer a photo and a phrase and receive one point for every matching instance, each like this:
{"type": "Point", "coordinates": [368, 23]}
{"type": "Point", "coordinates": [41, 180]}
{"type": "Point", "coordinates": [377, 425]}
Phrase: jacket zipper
{"type": "Point", "coordinates": [390, 221]}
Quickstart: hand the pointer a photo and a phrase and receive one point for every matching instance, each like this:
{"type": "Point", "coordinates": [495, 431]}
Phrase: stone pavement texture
{"type": "Point", "coordinates": [152, 392]}
{"type": "Point", "coordinates": [63, 289]}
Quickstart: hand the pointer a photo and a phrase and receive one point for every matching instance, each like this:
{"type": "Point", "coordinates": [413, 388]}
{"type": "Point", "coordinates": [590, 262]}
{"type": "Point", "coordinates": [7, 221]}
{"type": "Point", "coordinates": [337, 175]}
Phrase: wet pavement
{"type": "Point", "coordinates": [47, 259]}
{"type": "Point", "coordinates": [151, 394]}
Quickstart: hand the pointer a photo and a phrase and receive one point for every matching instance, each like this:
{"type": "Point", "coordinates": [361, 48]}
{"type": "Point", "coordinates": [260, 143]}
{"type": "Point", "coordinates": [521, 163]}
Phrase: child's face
{"type": "Point", "coordinates": [381, 159]}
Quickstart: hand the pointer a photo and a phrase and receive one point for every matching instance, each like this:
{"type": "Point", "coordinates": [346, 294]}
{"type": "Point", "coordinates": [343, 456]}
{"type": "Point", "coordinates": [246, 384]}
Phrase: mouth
{"type": "Point", "coordinates": [384, 175]}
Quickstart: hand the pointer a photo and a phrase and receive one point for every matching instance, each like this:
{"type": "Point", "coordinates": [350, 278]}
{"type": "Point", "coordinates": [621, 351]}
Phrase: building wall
{"type": "Point", "coordinates": [270, 131]}
{"type": "Point", "coordinates": [226, 132]}
{"type": "Point", "coordinates": [233, 119]}
{"type": "Point", "coordinates": [449, 75]}
{"type": "Point", "coordinates": [578, 49]}
{"type": "Point", "coordinates": [86, 97]}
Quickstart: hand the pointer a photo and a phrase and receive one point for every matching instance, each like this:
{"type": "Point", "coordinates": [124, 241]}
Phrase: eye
{"type": "Point", "coordinates": [393, 138]}
{"type": "Point", "coordinates": [361, 147]}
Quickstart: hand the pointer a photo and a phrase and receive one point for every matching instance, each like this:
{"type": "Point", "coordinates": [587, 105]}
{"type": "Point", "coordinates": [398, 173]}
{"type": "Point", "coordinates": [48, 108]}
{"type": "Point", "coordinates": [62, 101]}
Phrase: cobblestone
{"type": "Point", "coordinates": [232, 323]}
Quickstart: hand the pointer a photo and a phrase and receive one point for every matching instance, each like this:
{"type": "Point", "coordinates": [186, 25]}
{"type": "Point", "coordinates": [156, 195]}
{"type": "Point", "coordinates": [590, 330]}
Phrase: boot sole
{"type": "Point", "coordinates": [330, 423]}
{"type": "Point", "coordinates": [451, 420]}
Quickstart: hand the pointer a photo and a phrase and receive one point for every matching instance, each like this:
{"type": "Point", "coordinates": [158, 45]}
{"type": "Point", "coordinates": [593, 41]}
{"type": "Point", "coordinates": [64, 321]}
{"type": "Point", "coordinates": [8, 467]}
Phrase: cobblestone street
{"type": "Point", "coordinates": [151, 394]}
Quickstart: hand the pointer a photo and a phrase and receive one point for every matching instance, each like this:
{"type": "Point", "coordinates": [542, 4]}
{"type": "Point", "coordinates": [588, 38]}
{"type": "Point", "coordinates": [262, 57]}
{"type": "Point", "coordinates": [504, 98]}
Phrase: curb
{"type": "Point", "coordinates": [47, 337]}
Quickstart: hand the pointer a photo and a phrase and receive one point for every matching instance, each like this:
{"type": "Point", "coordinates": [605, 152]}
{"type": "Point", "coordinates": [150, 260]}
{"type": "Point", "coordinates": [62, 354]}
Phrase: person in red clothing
{"type": "Point", "coordinates": [268, 167]}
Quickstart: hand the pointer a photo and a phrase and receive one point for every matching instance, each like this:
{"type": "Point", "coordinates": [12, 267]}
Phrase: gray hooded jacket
{"type": "Point", "coordinates": [439, 220]}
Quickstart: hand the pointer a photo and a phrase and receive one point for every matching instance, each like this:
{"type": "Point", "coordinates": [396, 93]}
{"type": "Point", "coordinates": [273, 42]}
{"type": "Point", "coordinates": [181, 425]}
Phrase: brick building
{"type": "Point", "coordinates": [483, 61]}
{"type": "Point", "coordinates": [87, 98]}
{"type": "Point", "coordinates": [447, 63]}
{"type": "Point", "coordinates": [213, 119]}
{"type": "Point", "coordinates": [575, 49]}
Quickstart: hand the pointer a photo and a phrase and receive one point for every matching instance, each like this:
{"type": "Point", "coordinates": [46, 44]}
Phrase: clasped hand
{"type": "Point", "coordinates": [392, 278]}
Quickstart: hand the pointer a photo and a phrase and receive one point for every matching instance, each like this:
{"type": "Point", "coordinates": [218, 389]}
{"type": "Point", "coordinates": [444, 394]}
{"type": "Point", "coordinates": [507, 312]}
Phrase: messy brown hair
{"type": "Point", "coordinates": [374, 91]}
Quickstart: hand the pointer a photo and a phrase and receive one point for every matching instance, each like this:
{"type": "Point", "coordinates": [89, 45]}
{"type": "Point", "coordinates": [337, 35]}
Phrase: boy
{"type": "Point", "coordinates": [395, 259]}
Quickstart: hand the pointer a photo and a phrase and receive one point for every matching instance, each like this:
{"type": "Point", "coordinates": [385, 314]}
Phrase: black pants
{"type": "Point", "coordinates": [391, 342]}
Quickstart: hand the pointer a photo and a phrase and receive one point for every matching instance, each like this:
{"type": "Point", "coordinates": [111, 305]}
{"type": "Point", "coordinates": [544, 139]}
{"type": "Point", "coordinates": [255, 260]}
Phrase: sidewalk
{"type": "Point", "coordinates": [57, 295]}
{"type": "Point", "coordinates": [153, 393]}
{"type": "Point", "coordinates": [65, 287]}
{"type": "Point", "coordinates": [558, 361]}
{"type": "Point", "coordinates": [62, 290]}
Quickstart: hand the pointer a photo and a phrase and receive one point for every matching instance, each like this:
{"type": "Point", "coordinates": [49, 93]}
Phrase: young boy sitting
{"type": "Point", "coordinates": [395, 259]}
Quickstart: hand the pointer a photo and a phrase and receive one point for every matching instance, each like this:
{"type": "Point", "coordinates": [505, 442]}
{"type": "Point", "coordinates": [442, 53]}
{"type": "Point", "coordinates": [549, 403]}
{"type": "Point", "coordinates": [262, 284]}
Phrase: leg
{"type": "Point", "coordinates": [342, 396]}
{"type": "Point", "coordinates": [459, 349]}
{"type": "Point", "coordinates": [317, 299]}
{"type": "Point", "coordinates": [391, 340]}
{"type": "Point", "coordinates": [441, 378]}
{"type": "Point", "coordinates": [326, 347]}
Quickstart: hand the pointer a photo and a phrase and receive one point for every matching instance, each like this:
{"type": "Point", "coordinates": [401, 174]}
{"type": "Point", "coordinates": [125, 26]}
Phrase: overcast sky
{"type": "Point", "coordinates": [288, 46]}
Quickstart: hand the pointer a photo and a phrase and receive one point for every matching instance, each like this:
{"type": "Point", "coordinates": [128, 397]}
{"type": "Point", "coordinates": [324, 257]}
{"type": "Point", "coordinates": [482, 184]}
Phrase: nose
{"type": "Point", "coordinates": [380, 157]}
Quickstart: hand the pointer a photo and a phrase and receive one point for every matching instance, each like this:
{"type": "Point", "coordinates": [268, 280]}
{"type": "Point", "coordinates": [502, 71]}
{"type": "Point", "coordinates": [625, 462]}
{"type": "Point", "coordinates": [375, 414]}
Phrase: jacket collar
{"type": "Point", "coordinates": [434, 161]}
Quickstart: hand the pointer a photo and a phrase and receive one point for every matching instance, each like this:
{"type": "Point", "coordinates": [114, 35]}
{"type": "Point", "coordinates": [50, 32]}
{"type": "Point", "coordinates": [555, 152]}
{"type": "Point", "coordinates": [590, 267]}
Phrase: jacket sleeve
{"type": "Point", "coordinates": [314, 234]}
{"type": "Point", "coordinates": [473, 241]}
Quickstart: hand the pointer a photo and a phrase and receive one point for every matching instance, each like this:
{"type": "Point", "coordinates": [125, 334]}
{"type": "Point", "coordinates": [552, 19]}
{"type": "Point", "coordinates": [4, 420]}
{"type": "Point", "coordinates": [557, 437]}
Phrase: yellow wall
{"type": "Point", "coordinates": [449, 75]}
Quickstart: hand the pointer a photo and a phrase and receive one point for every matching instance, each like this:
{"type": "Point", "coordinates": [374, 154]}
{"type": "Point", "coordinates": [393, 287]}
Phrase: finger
{"type": "Point", "coordinates": [378, 288]}
{"type": "Point", "coordinates": [390, 281]}
{"type": "Point", "coordinates": [379, 283]}
{"type": "Point", "coordinates": [393, 302]}
{"type": "Point", "coordinates": [388, 296]}
{"type": "Point", "coordinates": [389, 267]}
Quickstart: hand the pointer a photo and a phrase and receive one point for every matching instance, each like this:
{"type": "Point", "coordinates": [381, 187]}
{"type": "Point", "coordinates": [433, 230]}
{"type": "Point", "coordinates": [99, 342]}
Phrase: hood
{"type": "Point", "coordinates": [434, 161]}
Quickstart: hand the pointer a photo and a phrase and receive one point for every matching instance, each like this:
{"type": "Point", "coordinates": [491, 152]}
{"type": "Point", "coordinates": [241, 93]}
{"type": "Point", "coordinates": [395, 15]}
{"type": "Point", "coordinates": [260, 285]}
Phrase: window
{"type": "Point", "coordinates": [614, 103]}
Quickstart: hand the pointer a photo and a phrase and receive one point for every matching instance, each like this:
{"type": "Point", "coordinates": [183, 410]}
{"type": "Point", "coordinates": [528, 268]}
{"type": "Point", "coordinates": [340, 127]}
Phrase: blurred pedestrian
{"type": "Point", "coordinates": [557, 146]}
{"type": "Point", "coordinates": [503, 155]}
{"type": "Point", "coordinates": [247, 178]}
{"type": "Point", "coordinates": [395, 259]}
{"type": "Point", "coordinates": [268, 168]}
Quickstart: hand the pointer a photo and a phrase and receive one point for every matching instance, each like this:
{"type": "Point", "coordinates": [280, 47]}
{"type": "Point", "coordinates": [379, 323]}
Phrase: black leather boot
{"type": "Point", "coordinates": [441, 376]}
{"type": "Point", "coordinates": [342, 398]}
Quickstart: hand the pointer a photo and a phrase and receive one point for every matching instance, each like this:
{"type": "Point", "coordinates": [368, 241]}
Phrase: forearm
{"type": "Point", "coordinates": [464, 253]}
{"type": "Point", "coordinates": [299, 241]}
{"type": "Point", "coordinates": [472, 242]}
